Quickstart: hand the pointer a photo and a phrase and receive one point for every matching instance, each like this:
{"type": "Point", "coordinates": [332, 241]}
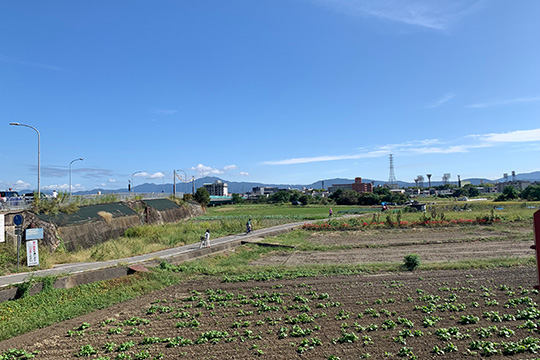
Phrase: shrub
{"type": "Point", "coordinates": [411, 261]}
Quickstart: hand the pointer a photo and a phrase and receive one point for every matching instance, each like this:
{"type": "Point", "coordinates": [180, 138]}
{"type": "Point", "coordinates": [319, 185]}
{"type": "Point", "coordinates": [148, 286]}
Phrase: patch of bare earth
{"type": "Point", "coordinates": [391, 245]}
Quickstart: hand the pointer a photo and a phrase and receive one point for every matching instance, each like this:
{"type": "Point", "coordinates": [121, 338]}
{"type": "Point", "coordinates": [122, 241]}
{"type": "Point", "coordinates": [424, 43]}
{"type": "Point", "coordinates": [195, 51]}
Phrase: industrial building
{"type": "Point", "coordinates": [357, 186]}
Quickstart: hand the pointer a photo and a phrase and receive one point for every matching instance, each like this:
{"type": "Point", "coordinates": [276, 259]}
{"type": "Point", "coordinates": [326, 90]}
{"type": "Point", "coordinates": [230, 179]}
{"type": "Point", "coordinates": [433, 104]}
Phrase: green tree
{"type": "Point", "coordinates": [305, 199]}
{"type": "Point", "coordinates": [237, 199]}
{"type": "Point", "coordinates": [459, 192]}
{"type": "Point", "coordinates": [282, 196]}
{"type": "Point", "coordinates": [202, 197]}
{"type": "Point", "coordinates": [472, 190]}
{"type": "Point", "coordinates": [368, 199]}
{"type": "Point", "coordinates": [510, 193]}
{"type": "Point", "coordinates": [294, 195]}
{"type": "Point", "coordinates": [531, 193]}
{"type": "Point", "coordinates": [348, 197]}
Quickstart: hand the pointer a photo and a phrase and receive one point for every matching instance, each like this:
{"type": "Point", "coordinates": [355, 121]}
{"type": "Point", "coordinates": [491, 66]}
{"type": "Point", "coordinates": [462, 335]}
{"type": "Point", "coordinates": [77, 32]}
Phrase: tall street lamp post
{"type": "Point", "coordinates": [132, 184]}
{"type": "Point", "coordinates": [38, 156]}
{"type": "Point", "coordinates": [174, 180]}
{"type": "Point", "coordinates": [72, 161]}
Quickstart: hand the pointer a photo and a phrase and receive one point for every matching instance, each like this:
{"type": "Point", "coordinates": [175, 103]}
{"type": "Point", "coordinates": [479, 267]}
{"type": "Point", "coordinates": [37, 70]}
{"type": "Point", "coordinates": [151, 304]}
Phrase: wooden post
{"type": "Point", "coordinates": [536, 245]}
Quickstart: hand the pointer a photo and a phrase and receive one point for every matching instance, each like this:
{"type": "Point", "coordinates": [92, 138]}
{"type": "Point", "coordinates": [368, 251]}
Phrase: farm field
{"type": "Point", "coordinates": [425, 314]}
{"type": "Point", "coordinates": [442, 245]}
{"type": "Point", "coordinates": [303, 306]}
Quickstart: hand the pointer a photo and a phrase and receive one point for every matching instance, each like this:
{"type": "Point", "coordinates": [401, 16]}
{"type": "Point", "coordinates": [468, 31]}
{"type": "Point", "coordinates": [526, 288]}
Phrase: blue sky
{"type": "Point", "coordinates": [272, 91]}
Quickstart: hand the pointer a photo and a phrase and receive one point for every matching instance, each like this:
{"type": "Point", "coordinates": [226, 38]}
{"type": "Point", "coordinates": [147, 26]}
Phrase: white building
{"type": "Point", "coordinates": [218, 188]}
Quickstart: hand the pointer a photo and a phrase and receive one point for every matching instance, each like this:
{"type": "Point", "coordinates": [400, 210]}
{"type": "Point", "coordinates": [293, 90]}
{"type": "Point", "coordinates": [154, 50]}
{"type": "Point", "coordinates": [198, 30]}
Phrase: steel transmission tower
{"type": "Point", "coordinates": [392, 182]}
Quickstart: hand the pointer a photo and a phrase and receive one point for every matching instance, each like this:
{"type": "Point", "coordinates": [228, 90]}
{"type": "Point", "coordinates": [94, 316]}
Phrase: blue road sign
{"type": "Point", "coordinates": [18, 219]}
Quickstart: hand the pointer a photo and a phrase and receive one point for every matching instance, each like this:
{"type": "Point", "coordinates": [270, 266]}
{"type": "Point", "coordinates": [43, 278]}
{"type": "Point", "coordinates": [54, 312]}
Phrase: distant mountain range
{"type": "Point", "coordinates": [242, 187]}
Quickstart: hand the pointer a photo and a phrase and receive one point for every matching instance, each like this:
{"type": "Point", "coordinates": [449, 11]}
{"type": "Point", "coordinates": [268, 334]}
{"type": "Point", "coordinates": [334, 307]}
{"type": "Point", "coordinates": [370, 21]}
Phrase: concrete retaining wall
{"type": "Point", "coordinates": [80, 233]}
{"type": "Point", "coordinates": [96, 231]}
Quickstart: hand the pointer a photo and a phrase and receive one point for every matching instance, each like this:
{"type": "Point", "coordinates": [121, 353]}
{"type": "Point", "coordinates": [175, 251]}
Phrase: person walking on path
{"type": "Point", "coordinates": [330, 213]}
{"type": "Point", "coordinates": [205, 240]}
{"type": "Point", "coordinates": [249, 227]}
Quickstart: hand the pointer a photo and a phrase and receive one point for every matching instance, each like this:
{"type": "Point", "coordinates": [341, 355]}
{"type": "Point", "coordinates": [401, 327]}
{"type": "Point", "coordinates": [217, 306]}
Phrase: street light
{"type": "Point", "coordinates": [38, 155]}
{"type": "Point", "coordinates": [174, 180]}
{"type": "Point", "coordinates": [72, 161]}
{"type": "Point", "coordinates": [132, 184]}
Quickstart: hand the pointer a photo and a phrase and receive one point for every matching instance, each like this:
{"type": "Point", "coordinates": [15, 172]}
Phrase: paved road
{"type": "Point", "coordinates": [66, 269]}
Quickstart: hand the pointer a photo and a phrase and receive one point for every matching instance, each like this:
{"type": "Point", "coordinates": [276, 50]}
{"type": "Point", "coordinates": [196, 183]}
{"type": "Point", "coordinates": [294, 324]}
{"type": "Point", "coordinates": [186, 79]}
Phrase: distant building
{"type": "Point", "coordinates": [218, 188]}
{"type": "Point", "coordinates": [266, 191]}
{"type": "Point", "coordinates": [357, 186]}
{"type": "Point", "coordinates": [518, 184]}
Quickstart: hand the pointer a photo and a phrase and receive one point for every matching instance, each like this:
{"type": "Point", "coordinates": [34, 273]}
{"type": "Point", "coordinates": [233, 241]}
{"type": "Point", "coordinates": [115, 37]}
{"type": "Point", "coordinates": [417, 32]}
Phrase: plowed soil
{"type": "Point", "coordinates": [385, 316]}
{"type": "Point", "coordinates": [431, 244]}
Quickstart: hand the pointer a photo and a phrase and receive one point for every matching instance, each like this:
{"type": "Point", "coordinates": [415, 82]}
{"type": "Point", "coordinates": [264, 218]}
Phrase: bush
{"type": "Point", "coordinates": [411, 261]}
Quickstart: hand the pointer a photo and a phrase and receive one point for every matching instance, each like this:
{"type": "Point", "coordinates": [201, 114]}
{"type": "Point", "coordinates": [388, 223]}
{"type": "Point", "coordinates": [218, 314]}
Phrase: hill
{"type": "Point", "coordinates": [245, 186]}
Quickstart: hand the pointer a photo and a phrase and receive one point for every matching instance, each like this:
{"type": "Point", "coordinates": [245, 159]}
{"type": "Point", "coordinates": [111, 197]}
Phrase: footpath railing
{"type": "Point", "coordinates": [23, 203]}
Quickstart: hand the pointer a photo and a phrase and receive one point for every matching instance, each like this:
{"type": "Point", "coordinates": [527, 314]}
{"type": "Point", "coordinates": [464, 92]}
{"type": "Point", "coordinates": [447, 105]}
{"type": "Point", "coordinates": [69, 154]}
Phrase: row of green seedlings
{"type": "Point", "coordinates": [296, 330]}
{"type": "Point", "coordinates": [487, 348]}
{"type": "Point", "coordinates": [427, 321]}
{"type": "Point", "coordinates": [214, 295]}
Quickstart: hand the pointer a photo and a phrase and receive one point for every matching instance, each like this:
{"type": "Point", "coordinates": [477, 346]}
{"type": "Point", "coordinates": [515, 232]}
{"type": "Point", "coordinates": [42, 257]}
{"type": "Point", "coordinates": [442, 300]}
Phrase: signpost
{"type": "Point", "coordinates": [18, 221]}
{"type": "Point", "coordinates": [32, 252]}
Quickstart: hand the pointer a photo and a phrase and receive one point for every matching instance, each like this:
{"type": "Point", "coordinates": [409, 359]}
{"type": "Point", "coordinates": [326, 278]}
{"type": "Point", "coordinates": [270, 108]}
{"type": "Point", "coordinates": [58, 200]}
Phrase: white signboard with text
{"type": "Point", "coordinates": [32, 253]}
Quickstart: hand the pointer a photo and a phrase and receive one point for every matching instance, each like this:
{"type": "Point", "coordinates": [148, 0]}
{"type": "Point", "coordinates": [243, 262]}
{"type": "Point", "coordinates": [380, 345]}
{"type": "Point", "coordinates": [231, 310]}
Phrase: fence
{"type": "Point", "coordinates": [24, 203]}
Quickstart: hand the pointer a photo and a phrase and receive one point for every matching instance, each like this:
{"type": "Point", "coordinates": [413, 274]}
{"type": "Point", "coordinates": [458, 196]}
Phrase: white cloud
{"type": "Point", "coordinates": [144, 174]}
{"type": "Point", "coordinates": [204, 170]}
{"type": "Point", "coordinates": [429, 14]}
{"type": "Point", "coordinates": [243, 173]}
{"type": "Point", "coordinates": [112, 181]}
{"type": "Point", "coordinates": [17, 185]}
{"type": "Point", "coordinates": [517, 136]}
{"type": "Point", "coordinates": [422, 147]}
{"type": "Point", "coordinates": [505, 102]}
{"type": "Point", "coordinates": [441, 101]}
{"type": "Point", "coordinates": [57, 187]}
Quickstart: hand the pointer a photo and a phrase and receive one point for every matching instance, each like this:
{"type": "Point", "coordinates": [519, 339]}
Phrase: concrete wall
{"type": "Point", "coordinates": [96, 231]}
{"type": "Point", "coordinates": [84, 234]}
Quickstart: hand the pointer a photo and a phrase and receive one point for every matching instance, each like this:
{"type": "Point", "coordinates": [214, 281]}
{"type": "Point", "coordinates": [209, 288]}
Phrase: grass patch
{"type": "Point", "coordinates": [55, 305]}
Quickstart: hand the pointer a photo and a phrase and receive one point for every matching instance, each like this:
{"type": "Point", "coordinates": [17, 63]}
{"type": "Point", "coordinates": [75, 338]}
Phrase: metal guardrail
{"type": "Point", "coordinates": [22, 203]}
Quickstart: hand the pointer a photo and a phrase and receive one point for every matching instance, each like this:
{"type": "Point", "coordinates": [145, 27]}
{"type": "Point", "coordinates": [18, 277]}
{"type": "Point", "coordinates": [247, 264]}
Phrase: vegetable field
{"type": "Point", "coordinates": [426, 315]}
